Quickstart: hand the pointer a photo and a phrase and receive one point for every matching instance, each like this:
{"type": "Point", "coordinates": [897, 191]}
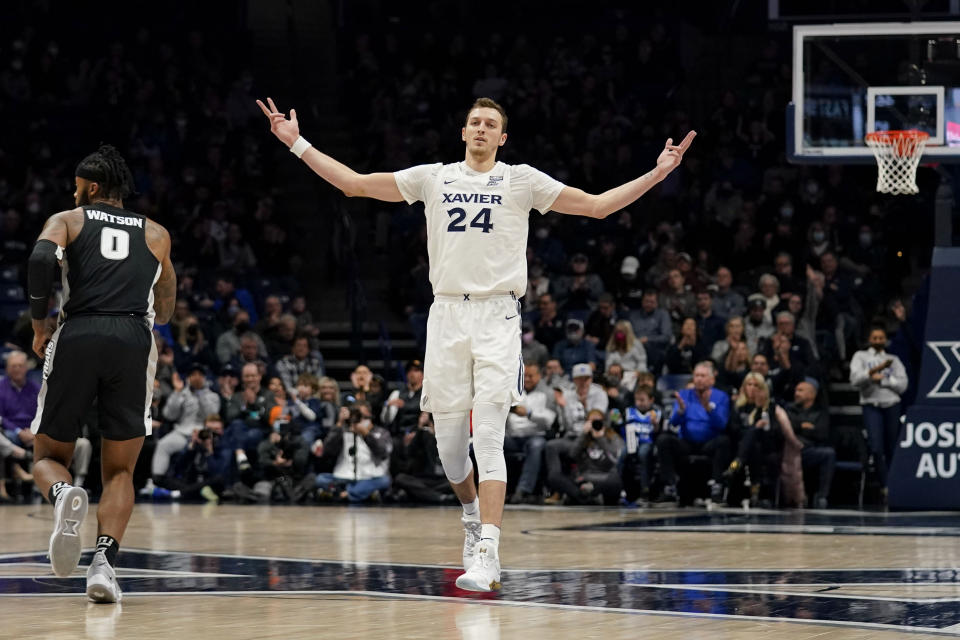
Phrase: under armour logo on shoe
{"type": "Point", "coordinates": [70, 527]}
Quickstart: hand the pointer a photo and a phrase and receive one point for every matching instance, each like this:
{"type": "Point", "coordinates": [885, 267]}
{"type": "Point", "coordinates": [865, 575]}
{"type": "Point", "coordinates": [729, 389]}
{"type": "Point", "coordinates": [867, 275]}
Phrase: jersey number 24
{"type": "Point", "coordinates": [480, 221]}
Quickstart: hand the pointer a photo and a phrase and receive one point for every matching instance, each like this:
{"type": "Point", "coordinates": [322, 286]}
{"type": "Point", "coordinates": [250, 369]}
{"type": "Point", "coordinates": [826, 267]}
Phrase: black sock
{"type": "Point", "coordinates": [55, 490]}
{"type": "Point", "coordinates": [110, 547]}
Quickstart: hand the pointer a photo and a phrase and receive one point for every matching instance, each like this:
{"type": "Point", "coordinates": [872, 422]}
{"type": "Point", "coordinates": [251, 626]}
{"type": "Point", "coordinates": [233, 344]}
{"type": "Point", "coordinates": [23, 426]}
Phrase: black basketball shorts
{"type": "Point", "coordinates": [108, 359]}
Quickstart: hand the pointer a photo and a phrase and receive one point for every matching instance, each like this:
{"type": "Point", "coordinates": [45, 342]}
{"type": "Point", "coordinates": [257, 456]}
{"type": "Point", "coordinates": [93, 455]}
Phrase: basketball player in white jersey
{"type": "Point", "coordinates": [477, 219]}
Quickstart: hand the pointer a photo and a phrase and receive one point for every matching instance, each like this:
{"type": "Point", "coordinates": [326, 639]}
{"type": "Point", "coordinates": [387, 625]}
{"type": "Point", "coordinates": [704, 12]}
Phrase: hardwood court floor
{"type": "Point", "coordinates": [307, 572]}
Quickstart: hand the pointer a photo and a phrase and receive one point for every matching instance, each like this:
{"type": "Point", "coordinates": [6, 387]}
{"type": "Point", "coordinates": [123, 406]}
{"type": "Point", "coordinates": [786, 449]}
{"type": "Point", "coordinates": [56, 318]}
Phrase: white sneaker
{"type": "Point", "coordinates": [68, 515]}
{"type": "Point", "coordinates": [471, 538]}
{"type": "Point", "coordinates": [102, 583]}
{"type": "Point", "coordinates": [484, 573]}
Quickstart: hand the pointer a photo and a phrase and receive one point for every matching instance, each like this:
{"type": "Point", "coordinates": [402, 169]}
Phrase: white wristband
{"type": "Point", "coordinates": [300, 146]}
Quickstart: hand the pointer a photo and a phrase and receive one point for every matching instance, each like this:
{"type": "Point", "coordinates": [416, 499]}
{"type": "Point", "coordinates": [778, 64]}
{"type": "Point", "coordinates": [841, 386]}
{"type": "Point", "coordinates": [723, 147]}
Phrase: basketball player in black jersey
{"type": "Point", "coordinates": [117, 279]}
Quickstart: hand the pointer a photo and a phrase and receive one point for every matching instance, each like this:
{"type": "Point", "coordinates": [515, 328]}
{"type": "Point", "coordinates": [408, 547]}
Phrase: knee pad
{"type": "Point", "coordinates": [453, 444]}
{"type": "Point", "coordinates": [489, 425]}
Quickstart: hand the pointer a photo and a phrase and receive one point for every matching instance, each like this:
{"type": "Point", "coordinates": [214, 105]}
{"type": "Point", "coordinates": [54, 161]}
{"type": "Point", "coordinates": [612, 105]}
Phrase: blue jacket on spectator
{"type": "Point", "coordinates": [570, 354]}
{"type": "Point", "coordinates": [246, 301]}
{"type": "Point", "coordinates": [698, 424]}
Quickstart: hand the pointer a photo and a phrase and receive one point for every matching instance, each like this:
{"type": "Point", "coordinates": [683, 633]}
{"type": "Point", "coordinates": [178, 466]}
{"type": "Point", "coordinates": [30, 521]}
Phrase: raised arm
{"type": "Point", "coordinates": [380, 186]}
{"type": "Point", "coordinates": [577, 202]}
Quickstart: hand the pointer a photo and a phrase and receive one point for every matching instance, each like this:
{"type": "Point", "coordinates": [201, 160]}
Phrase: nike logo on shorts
{"type": "Point", "coordinates": [449, 181]}
{"type": "Point", "coordinates": [510, 317]}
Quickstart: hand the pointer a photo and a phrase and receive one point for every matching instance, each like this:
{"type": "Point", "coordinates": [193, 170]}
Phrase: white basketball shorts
{"type": "Point", "coordinates": [473, 352]}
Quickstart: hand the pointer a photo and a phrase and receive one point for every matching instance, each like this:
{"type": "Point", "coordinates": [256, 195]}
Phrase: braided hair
{"type": "Point", "coordinates": [107, 167]}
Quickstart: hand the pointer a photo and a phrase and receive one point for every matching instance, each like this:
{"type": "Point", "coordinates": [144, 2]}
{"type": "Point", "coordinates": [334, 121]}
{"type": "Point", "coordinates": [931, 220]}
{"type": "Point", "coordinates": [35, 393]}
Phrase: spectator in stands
{"type": "Point", "coordinates": [329, 395]}
{"type": "Point", "coordinates": [573, 404]}
{"type": "Point", "coordinates": [555, 377]}
{"type": "Point", "coordinates": [401, 411]}
{"type": "Point", "coordinates": [881, 378]}
{"type": "Point", "coordinates": [688, 350]}
{"type": "Point", "coordinates": [229, 300]}
{"type": "Point", "coordinates": [710, 326]}
{"type": "Point", "coordinates": [270, 321]}
{"type": "Point", "coordinates": [619, 393]}
{"type": "Point", "coordinates": [599, 326]}
{"type": "Point", "coordinates": [770, 291]}
{"type": "Point", "coordinates": [305, 325]}
{"type": "Point", "coordinates": [228, 383]}
{"type": "Point", "coordinates": [280, 341]}
{"type": "Point", "coordinates": [641, 426]}
{"type": "Point", "coordinates": [366, 387]}
{"type": "Point", "coordinates": [362, 454]}
{"type": "Point", "coordinates": [580, 290]}
{"type": "Point", "coordinates": [574, 348]}
{"type": "Point", "coordinates": [192, 346]}
{"type": "Point", "coordinates": [532, 350]}
{"type": "Point", "coordinates": [283, 456]}
{"type": "Point", "coordinates": [418, 473]}
{"type": "Point", "coordinates": [527, 425]}
{"type": "Point", "coordinates": [652, 327]}
{"type": "Point", "coordinates": [203, 468]}
{"type": "Point", "coordinates": [549, 327]}
{"type": "Point", "coordinates": [630, 287]}
{"type": "Point", "coordinates": [698, 424]}
{"type": "Point", "coordinates": [247, 430]}
{"type": "Point", "coordinates": [18, 400]}
{"type": "Point", "coordinates": [310, 414]}
{"type": "Point", "coordinates": [229, 342]}
{"type": "Point", "coordinates": [624, 349]}
{"type": "Point", "coordinates": [787, 350]}
{"type": "Point", "coordinates": [727, 303]}
{"type": "Point", "coordinates": [761, 426]}
{"type": "Point", "coordinates": [598, 454]}
{"type": "Point", "coordinates": [783, 270]}
{"type": "Point", "coordinates": [811, 424]}
{"type": "Point", "coordinates": [758, 326]}
{"type": "Point", "coordinates": [299, 362]}
{"type": "Point", "coordinates": [677, 299]}
{"type": "Point", "coordinates": [187, 408]}
{"type": "Point", "coordinates": [734, 367]}
{"type": "Point", "coordinates": [842, 312]}
{"type": "Point", "coordinates": [733, 334]}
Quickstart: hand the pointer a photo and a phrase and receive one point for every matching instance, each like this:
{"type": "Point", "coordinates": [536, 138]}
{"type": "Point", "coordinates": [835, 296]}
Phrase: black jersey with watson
{"type": "Point", "coordinates": [109, 269]}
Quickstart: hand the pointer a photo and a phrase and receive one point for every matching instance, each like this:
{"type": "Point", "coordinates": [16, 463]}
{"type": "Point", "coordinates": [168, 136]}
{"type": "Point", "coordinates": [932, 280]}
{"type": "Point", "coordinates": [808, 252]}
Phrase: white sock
{"type": "Point", "coordinates": [471, 510]}
{"type": "Point", "coordinates": [490, 532]}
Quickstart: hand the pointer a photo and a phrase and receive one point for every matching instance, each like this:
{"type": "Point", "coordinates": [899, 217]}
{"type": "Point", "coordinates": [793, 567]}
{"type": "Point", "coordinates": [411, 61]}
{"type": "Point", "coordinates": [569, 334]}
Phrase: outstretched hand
{"type": "Point", "coordinates": [672, 154]}
{"type": "Point", "coordinates": [286, 130]}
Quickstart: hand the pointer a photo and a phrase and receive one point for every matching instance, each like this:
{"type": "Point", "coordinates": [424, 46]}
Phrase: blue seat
{"type": "Point", "coordinates": [854, 466]}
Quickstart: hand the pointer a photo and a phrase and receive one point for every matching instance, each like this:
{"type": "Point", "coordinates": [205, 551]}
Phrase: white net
{"type": "Point", "coordinates": [898, 155]}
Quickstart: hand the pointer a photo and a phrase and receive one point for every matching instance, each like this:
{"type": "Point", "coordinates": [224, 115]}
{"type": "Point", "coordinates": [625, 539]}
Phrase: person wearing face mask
{"type": "Point", "coordinates": [881, 378]}
{"type": "Point", "coordinates": [228, 344]}
{"type": "Point", "coordinates": [625, 350]}
{"type": "Point", "coordinates": [533, 350]}
{"type": "Point", "coordinates": [574, 348]}
{"type": "Point", "coordinates": [599, 325]}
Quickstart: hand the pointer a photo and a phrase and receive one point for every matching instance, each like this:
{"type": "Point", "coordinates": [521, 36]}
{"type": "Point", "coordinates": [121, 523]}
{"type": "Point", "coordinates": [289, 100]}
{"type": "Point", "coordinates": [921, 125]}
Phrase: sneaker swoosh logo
{"type": "Point", "coordinates": [511, 317]}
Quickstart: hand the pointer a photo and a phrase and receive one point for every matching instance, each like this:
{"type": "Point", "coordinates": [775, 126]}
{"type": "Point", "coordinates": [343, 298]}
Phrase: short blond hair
{"type": "Point", "coordinates": [489, 103]}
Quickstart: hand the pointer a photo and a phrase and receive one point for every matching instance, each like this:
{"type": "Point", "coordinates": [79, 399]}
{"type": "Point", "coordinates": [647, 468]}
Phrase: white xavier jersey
{"type": "Point", "coordinates": [477, 222]}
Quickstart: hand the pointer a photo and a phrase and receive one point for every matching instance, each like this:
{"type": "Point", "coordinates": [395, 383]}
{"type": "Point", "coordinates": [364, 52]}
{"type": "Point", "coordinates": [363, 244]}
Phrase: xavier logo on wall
{"type": "Point", "coordinates": [948, 355]}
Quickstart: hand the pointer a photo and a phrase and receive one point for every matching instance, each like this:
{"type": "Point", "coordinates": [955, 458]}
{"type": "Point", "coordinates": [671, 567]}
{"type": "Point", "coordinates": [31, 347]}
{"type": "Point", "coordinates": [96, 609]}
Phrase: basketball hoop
{"type": "Point", "coordinates": [898, 155]}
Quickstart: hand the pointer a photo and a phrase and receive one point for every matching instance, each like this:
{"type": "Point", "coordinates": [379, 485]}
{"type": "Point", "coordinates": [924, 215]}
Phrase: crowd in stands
{"type": "Point", "coordinates": [672, 351]}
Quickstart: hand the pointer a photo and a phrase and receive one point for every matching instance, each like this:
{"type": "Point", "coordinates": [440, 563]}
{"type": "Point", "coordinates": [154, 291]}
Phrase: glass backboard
{"type": "Point", "coordinates": [852, 79]}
